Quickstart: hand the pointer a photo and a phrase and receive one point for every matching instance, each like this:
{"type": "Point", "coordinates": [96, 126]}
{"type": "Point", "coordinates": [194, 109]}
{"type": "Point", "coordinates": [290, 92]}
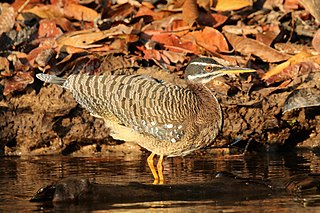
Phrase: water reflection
{"type": "Point", "coordinates": [22, 177]}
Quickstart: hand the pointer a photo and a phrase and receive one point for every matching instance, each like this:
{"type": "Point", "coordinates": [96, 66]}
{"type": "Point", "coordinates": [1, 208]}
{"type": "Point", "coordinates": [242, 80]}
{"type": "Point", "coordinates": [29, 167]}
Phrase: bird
{"type": "Point", "coordinates": [165, 118]}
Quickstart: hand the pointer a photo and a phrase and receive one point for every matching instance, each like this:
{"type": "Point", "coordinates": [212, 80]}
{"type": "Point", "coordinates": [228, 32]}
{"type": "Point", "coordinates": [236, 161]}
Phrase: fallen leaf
{"type": "Point", "coordinates": [46, 11]}
{"type": "Point", "coordinates": [7, 17]}
{"type": "Point", "coordinates": [171, 23]}
{"type": "Point", "coordinates": [208, 38]}
{"type": "Point", "coordinates": [122, 10]}
{"type": "Point", "coordinates": [219, 19]}
{"type": "Point", "coordinates": [224, 5]}
{"type": "Point", "coordinates": [150, 53]}
{"type": "Point", "coordinates": [306, 97]}
{"type": "Point", "coordinates": [86, 38]}
{"type": "Point", "coordinates": [205, 4]}
{"type": "Point", "coordinates": [18, 4]}
{"type": "Point", "coordinates": [190, 12]}
{"type": "Point", "coordinates": [249, 46]}
{"type": "Point", "coordinates": [19, 62]}
{"type": "Point", "coordinates": [313, 7]}
{"type": "Point", "coordinates": [293, 71]}
{"type": "Point", "coordinates": [17, 82]}
{"type": "Point", "coordinates": [172, 42]}
{"type": "Point", "coordinates": [242, 30]}
{"type": "Point", "coordinates": [79, 12]}
{"type": "Point", "coordinates": [289, 48]}
{"type": "Point", "coordinates": [174, 57]}
{"type": "Point", "coordinates": [299, 64]}
{"type": "Point", "coordinates": [316, 41]}
{"type": "Point", "coordinates": [33, 54]}
{"type": "Point", "coordinates": [44, 57]}
{"type": "Point", "coordinates": [146, 11]}
{"type": "Point", "coordinates": [302, 56]}
{"type": "Point", "coordinates": [291, 4]}
{"type": "Point", "coordinates": [48, 28]}
{"type": "Point", "coordinates": [193, 42]}
{"type": "Point", "coordinates": [65, 24]}
{"type": "Point", "coordinates": [266, 37]}
{"type": "Point", "coordinates": [4, 67]}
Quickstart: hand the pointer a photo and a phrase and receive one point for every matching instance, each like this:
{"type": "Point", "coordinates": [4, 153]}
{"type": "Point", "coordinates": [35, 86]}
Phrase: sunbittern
{"type": "Point", "coordinates": [166, 119]}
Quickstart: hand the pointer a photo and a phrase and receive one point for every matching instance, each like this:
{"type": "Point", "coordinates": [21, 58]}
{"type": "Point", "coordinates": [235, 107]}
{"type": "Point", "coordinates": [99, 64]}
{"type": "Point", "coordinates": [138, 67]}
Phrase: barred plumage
{"type": "Point", "coordinates": [165, 118]}
{"type": "Point", "coordinates": [142, 103]}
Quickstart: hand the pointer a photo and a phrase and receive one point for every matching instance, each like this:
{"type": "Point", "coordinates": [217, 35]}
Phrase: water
{"type": "Point", "coordinates": [21, 177]}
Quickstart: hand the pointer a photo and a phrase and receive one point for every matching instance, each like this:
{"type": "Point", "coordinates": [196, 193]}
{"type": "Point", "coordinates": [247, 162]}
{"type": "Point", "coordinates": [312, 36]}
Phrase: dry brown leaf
{"type": "Point", "coordinates": [242, 30]}
{"type": "Point", "coordinates": [190, 12]}
{"type": "Point", "coordinates": [18, 4]}
{"type": "Point", "coordinates": [192, 42]}
{"type": "Point", "coordinates": [266, 37]}
{"type": "Point", "coordinates": [204, 4]}
{"type": "Point", "coordinates": [171, 23]}
{"type": "Point", "coordinates": [4, 67]}
{"type": "Point", "coordinates": [289, 48]}
{"type": "Point", "coordinates": [86, 38]}
{"type": "Point", "coordinates": [224, 5]}
{"type": "Point", "coordinates": [208, 19]}
{"type": "Point", "coordinates": [146, 11]}
{"type": "Point", "coordinates": [313, 7]}
{"type": "Point", "coordinates": [150, 54]}
{"type": "Point", "coordinates": [305, 97]}
{"type": "Point", "coordinates": [316, 41]}
{"type": "Point", "coordinates": [249, 46]}
{"type": "Point", "coordinates": [7, 17]}
{"type": "Point", "coordinates": [33, 54]}
{"type": "Point", "coordinates": [174, 56]}
{"type": "Point", "coordinates": [48, 28]}
{"type": "Point", "coordinates": [79, 12]}
{"type": "Point", "coordinates": [271, 4]}
{"type": "Point", "coordinates": [41, 55]}
{"type": "Point", "coordinates": [293, 71]}
{"type": "Point", "coordinates": [81, 39]}
{"type": "Point", "coordinates": [172, 42]}
{"type": "Point", "coordinates": [18, 61]}
{"type": "Point", "coordinates": [17, 82]}
{"type": "Point", "coordinates": [291, 4]}
{"type": "Point", "coordinates": [208, 38]}
{"type": "Point", "coordinates": [300, 57]}
{"type": "Point", "coordinates": [64, 24]}
{"type": "Point", "coordinates": [44, 57]}
{"type": "Point", "coordinates": [122, 10]}
{"type": "Point", "coordinates": [46, 11]}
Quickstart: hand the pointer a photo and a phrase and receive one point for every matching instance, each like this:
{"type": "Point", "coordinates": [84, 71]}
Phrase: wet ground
{"type": "Point", "coordinates": [21, 177]}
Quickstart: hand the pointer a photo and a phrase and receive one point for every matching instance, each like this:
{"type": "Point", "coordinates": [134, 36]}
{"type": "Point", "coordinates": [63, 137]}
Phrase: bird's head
{"type": "Point", "coordinates": [203, 70]}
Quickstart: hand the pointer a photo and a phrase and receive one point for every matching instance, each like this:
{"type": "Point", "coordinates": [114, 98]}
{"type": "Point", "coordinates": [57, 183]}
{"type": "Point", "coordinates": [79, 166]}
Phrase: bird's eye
{"type": "Point", "coordinates": [208, 68]}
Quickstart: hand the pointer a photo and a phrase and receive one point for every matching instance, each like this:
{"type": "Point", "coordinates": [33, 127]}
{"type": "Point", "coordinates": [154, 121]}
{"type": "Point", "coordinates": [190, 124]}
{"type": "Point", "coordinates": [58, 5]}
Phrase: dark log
{"type": "Point", "coordinates": [223, 187]}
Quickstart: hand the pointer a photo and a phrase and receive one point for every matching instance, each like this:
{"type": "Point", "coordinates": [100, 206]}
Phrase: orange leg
{"type": "Point", "coordinates": [153, 170]}
{"type": "Point", "coordinates": [160, 169]}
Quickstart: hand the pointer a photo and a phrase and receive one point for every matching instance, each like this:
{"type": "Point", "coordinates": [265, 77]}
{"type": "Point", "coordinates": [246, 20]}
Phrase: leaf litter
{"type": "Point", "coordinates": [280, 41]}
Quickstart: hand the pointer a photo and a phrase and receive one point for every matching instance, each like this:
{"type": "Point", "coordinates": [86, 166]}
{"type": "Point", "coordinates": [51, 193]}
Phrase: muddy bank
{"type": "Point", "coordinates": [46, 120]}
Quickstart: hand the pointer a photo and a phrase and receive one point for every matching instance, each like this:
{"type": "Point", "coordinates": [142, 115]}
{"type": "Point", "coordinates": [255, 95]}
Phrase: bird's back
{"type": "Point", "coordinates": [146, 105]}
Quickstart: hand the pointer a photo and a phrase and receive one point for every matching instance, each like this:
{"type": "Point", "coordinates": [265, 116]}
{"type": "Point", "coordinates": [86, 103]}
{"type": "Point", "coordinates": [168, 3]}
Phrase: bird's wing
{"type": "Point", "coordinates": [145, 104]}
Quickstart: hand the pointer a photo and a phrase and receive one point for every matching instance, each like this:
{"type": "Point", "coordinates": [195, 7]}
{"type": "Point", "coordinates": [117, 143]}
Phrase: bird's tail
{"type": "Point", "coordinates": [51, 79]}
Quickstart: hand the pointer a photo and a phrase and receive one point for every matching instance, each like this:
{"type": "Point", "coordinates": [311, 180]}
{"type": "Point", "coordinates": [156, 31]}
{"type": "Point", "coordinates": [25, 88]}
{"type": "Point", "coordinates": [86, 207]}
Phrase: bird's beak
{"type": "Point", "coordinates": [207, 77]}
{"type": "Point", "coordinates": [234, 70]}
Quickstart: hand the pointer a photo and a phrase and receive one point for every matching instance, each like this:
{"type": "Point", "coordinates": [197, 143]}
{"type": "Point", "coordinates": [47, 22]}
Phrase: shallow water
{"type": "Point", "coordinates": [21, 177]}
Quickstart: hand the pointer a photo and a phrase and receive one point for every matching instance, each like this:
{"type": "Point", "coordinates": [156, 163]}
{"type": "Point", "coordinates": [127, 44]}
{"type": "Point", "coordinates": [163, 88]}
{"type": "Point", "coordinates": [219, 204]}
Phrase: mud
{"type": "Point", "coordinates": [46, 120]}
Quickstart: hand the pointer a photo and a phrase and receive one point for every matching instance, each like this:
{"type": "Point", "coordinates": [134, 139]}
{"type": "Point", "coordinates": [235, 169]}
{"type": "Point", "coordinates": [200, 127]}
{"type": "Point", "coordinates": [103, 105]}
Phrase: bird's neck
{"type": "Point", "coordinates": [210, 109]}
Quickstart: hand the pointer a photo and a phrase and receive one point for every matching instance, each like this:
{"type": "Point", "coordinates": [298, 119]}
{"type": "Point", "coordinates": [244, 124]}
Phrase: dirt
{"type": "Point", "coordinates": [260, 118]}
{"type": "Point", "coordinates": [47, 120]}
